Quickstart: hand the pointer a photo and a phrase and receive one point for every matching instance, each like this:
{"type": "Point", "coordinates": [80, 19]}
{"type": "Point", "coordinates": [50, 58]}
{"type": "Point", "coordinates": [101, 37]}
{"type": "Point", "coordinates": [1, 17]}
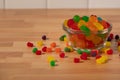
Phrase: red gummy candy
{"type": "Point", "coordinates": [44, 49]}
{"type": "Point", "coordinates": [110, 52]}
{"type": "Point", "coordinates": [74, 26]}
{"type": "Point", "coordinates": [118, 43]}
{"type": "Point", "coordinates": [90, 44]}
{"type": "Point", "coordinates": [29, 44]}
{"type": "Point", "coordinates": [70, 22]}
{"type": "Point", "coordinates": [111, 36]}
{"type": "Point", "coordinates": [108, 25]}
{"type": "Point", "coordinates": [81, 36]}
{"type": "Point", "coordinates": [38, 52]}
{"type": "Point", "coordinates": [84, 56]}
{"type": "Point", "coordinates": [62, 55]}
{"type": "Point", "coordinates": [76, 60]}
{"type": "Point", "coordinates": [98, 56]}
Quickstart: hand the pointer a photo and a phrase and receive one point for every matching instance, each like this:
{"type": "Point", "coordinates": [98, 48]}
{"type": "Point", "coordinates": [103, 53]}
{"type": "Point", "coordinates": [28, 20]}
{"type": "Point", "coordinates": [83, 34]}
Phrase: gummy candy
{"type": "Point", "coordinates": [109, 51]}
{"type": "Point", "coordinates": [99, 19]}
{"type": "Point", "coordinates": [108, 44]}
{"type": "Point", "coordinates": [44, 37]}
{"type": "Point", "coordinates": [52, 63]}
{"type": "Point", "coordinates": [66, 49]}
{"type": "Point", "coordinates": [34, 50]}
{"type": "Point", "coordinates": [44, 49]}
{"type": "Point", "coordinates": [62, 37]}
{"type": "Point", "coordinates": [40, 43]}
{"type": "Point", "coordinates": [48, 49]}
{"type": "Point", "coordinates": [99, 26]}
{"type": "Point", "coordinates": [57, 50]}
{"type": "Point", "coordinates": [29, 44]}
{"type": "Point", "coordinates": [76, 18]}
{"type": "Point", "coordinates": [53, 44]}
{"type": "Point", "coordinates": [76, 60]}
{"type": "Point", "coordinates": [86, 30]}
{"type": "Point", "coordinates": [79, 51]}
{"type": "Point", "coordinates": [93, 18]}
{"type": "Point", "coordinates": [85, 18]}
{"type": "Point", "coordinates": [117, 37]}
{"type": "Point", "coordinates": [50, 58]}
{"type": "Point", "coordinates": [81, 22]}
{"type": "Point", "coordinates": [62, 55]}
{"type": "Point", "coordinates": [38, 52]}
{"type": "Point", "coordinates": [83, 56]}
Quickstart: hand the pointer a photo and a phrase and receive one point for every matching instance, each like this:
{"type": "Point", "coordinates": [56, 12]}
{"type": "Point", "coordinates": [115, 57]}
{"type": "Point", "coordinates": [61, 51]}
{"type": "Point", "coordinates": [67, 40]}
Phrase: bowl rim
{"type": "Point", "coordinates": [72, 31]}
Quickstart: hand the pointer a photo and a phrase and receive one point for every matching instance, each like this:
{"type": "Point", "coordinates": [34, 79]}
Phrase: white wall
{"type": "Point", "coordinates": [28, 4]}
{"type": "Point", "coordinates": [25, 4]}
{"type": "Point", "coordinates": [67, 3]}
{"type": "Point", "coordinates": [104, 3]}
{"type": "Point", "coordinates": [1, 4]}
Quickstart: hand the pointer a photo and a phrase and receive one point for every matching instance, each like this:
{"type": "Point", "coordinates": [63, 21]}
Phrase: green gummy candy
{"type": "Point", "coordinates": [34, 50]}
{"type": "Point", "coordinates": [62, 38]}
{"type": "Point", "coordinates": [86, 51]}
{"type": "Point", "coordinates": [102, 35]}
{"type": "Point", "coordinates": [66, 49]}
{"type": "Point", "coordinates": [85, 30]}
{"type": "Point", "coordinates": [52, 63]}
{"type": "Point", "coordinates": [85, 18]}
{"type": "Point", "coordinates": [76, 18]}
{"type": "Point", "coordinates": [79, 51]}
{"type": "Point", "coordinates": [99, 19]}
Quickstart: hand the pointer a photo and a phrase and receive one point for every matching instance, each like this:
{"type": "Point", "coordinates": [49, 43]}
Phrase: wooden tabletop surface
{"type": "Point", "coordinates": [17, 62]}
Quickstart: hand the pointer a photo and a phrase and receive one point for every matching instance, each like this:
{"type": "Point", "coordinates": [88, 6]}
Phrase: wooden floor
{"type": "Point", "coordinates": [17, 62]}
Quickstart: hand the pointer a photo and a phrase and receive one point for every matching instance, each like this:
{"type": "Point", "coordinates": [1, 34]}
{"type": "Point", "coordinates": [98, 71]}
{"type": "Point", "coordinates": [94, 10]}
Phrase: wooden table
{"type": "Point", "coordinates": [17, 62]}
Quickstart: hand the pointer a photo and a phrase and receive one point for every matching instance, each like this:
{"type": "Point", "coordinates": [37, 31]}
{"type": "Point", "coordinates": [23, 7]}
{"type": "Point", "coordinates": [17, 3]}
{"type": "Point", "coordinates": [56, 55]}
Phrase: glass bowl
{"type": "Point", "coordinates": [78, 39]}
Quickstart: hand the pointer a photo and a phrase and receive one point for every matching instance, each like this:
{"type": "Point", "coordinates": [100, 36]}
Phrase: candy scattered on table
{"type": "Point", "coordinates": [62, 55]}
{"type": "Point", "coordinates": [50, 58]}
{"type": "Point", "coordinates": [48, 49]}
{"type": "Point", "coordinates": [44, 49]}
{"type": "Point", "coordinates": [52, 63]}
{"type": "Point", "coordinates": [34, 50]}
{"type": "Point", "coordinates": [119, 48]}
{"type": "Point", "coordinates": [58, 50]}
{"type": "Point", "coordinates": [107, 44]}
{"type": "Point", "coordinates": [94, 53]}
{"type": "Point", "coordinates": [38, 52]}
{"type": "Point", "coordinates": [117, 37]}
{"type": "Point", "coordinates": [109, 51]}
{"type": "Point", "coordinates": [53, 44]}
{"type": "Point", "coordinates": [44, 37]}
{"type": "Point", "coordinates": [79, 51]}
{"type": "Point", "coordinates": [76, 60]}
{"type": "Point", "coordinates": [29, 44]}
{"type": "Point", "coordinates": [84, 56]}
{"type": "Point", "coordinates": [62, 37]}
{"type": "Point", "coordinates": [91, 36]}
{"type": "Point", "coordinates": [102, 59]}
{"type": "Point", "coordinates": [40, 43]}
{"type": "Point", "coordinates": [66, 49]}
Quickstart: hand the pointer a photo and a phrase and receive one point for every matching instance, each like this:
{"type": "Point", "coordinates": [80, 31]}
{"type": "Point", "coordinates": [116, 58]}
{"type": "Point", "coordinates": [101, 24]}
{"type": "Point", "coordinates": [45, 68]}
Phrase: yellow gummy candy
{"type": "Point", "coordinates": [99, 26]}
{"type": "Point", "coordinates": [81, 22]}
{"type": "Point", "coordinates": [39, 43]}
{"type": "Point", "coordinates": [107, 44]}
{"type": "Point", "coordinates": [71, 49]}
{"type": "Point", "coordinates": [118, 48]}
{"type": "Point", "coordinates": [50, 58]}
{"type": "Point", "coordinates": [65, 23]}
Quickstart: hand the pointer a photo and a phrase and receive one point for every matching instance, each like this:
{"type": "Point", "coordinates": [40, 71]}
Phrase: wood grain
{"type": "Point", "coordinates": [17, 62]}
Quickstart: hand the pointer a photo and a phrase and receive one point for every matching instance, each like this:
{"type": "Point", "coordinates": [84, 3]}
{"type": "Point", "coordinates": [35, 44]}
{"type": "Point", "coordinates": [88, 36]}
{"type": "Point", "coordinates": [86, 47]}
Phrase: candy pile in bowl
{"type": "Point", "coordinates": [87, 32]}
